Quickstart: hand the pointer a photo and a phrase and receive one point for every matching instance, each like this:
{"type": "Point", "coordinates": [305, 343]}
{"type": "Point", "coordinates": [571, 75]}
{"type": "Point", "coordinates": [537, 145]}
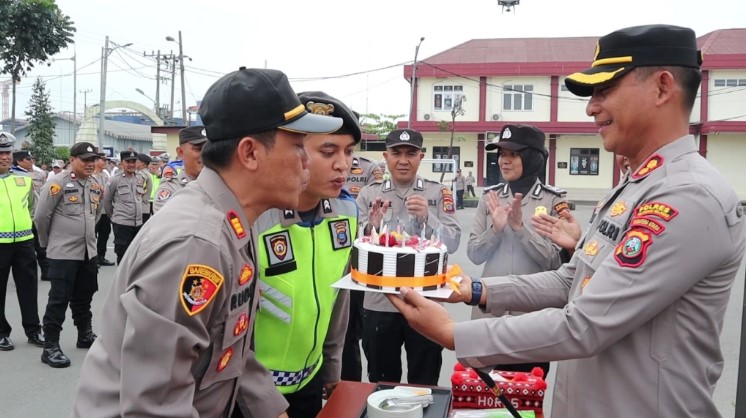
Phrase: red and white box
{"type": "Point", "coordinates": [524, 390]}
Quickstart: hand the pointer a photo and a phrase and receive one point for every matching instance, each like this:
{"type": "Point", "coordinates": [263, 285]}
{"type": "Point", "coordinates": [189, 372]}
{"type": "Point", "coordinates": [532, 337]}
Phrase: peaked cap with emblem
{"type": "Point", "coordinates": [20, 155]}
{"type": "Point", "coordinates": [128, 155]}
{"type": "Point", "coordinates": [252, 100]}
{"type": "Point", "coordinates": [640, 46]}
{"type": "Point", "coordinates": [145, 158]}
{"type": "Point", "coordinates": [408, 137]}
{"type": "Point", "coordinates": [320, 103]}
{"type": "Point", "coordinates": [194, 135]}
{"type": "Point", "coordinates": [518, 137]}
{"type": "Point", "coordinates": [83, 150]}
{"type": "Point", "coordinates": [6, 141]}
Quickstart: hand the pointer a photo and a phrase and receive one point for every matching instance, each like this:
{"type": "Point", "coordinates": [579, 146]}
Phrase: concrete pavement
{"type": "Point", "coordinates": [29, 388]}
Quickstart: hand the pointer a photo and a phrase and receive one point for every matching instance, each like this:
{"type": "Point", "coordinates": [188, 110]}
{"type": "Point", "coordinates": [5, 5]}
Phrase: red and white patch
{"type": "Point", "coordinates": [164, 194]}
{"type": "Point", "coordinates": [648, 223]}
{"type": "Point", "coordinates": [632, 249]}
{"type": "Point", "coordinates": [279, 246]}
{"type": "Point", "coordinates": [199, 286]}
{"type": "Point", "coordinates": [448, 205]}
{"type": "Point", "coordinates": [658, 209]}
{"type": "Point", "coordinates": [242, 324]}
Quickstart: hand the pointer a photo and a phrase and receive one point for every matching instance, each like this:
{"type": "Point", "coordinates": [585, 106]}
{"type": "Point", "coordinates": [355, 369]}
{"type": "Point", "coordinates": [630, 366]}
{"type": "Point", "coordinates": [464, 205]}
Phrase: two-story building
{"type": "Point", "coordinates": [521, 81]}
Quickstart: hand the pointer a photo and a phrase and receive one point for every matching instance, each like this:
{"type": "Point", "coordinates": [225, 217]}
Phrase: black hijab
{"type": "Point", "coordinates": [533, 162]}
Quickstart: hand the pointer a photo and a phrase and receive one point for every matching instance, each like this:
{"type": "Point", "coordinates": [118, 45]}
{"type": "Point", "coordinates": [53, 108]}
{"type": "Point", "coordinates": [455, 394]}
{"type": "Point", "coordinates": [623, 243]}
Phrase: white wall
{"type": "Point", "coordinates": [541, 99]}
{"type": "Point", "coordinates": [425, 99]}
{"type": "Point", "coordinates": [571, 108]}
{"type": "Point", "coordinates": [727, 103]}
{"type": "Point", "coordinates": [727, 153]}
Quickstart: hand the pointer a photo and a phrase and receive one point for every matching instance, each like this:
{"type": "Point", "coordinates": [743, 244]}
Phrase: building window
{"type": "Point", "coordinates": [584, 161]}
{"type": "Point", "coordinates": [730, 82]}
{"type": "Point", "coordinates": [444, 96]}
{"type": "Point", "coordinates": [442, 153]}
{"type": "Point", "coordinates": [518, 97]}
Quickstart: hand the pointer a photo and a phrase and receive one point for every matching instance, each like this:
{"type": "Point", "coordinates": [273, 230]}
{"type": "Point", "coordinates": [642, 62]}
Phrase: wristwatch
{"type": "Point", "coordinates": [476, 293]}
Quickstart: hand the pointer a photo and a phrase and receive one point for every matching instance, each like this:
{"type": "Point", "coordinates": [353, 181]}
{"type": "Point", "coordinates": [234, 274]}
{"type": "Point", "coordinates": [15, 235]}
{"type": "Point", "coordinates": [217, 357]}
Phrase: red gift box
{"type": "Point", "coordinates": [524, 390]}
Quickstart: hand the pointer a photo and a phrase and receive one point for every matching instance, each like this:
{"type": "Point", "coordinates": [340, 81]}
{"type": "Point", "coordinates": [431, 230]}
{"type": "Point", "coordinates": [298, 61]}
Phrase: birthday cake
{"type": "Point", "coordinates": [524, 390]}
{"type": "Point", "coordinates": [391, 260]}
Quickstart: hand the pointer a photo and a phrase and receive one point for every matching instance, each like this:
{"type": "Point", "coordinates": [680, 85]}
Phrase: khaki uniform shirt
{"type": "Point", "coordinates": [167, 188]}
{"type": "Point", "coordinates": [66, 216]}
{"type": "Point", "coordinates": [123, 199]}
{"type": "Point", "coordinates": [636, 314]}
{"type": "Point", "coordinates": [177, 329]}
{"type": "Point", "coordinates": [510, 252]}
{"type": "Point", "coordinates": [441, 219]}
{"type": "Point", "coordinates": [363, 172]}
{"type": "Point", "coordinates": [148, 185]}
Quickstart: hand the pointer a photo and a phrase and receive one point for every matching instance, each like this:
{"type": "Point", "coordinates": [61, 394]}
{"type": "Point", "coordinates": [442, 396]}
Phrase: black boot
{"type": "Point", "coordinates": [53, 355]}
{"type": "Point", "coordinates": [86, 337]}
{"type": "Point", "coordinates": [102, 261]}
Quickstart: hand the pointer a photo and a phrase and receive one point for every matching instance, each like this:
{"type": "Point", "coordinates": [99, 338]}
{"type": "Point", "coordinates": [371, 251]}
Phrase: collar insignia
{"type": "Point", "coordinates": [235, 222]}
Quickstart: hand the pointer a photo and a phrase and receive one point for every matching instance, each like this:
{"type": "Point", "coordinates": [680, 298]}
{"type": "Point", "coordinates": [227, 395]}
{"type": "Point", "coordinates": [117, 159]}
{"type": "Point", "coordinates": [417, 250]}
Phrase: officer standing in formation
{"type": "Point", "coordinates": [363, 172]}
{"type": "Point", "coordinates": [23, 164]}
{"type": "Point", "coordinates": [635, 316]}
{"type": "Point", "coordinates": [301, 327]}
{"type": "Point", "coordinates": [185, 348]}
{"type": "Point", "coordinates": [142, 166]}
{"type": "Point", "coordinates": [103, 226]}
{"type": "Point", "coordinates": [413, 202]}
{"type": "Point", "coordinates": [191, 141]}
{"type": "Point", "coordinates": [17, 247]}
{"type": "Point", "coordinates": [502, 236]}
{"type": "Point", "coordinates": [66, 216]}
{"type": "Point", "coordinates": [123, 203]}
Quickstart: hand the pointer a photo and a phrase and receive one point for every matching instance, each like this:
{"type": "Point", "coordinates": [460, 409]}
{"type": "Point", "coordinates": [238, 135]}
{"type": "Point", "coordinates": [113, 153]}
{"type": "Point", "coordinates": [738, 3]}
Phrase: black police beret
{"type": "Point", "coordinates": [408, 137]}
{"type": "Point", "coordinates": [640, 46]}
{"type": "Point", "coordinates": [518, 137]}
{"type": "Point", "coordinates": [320, 103]}
{"type": "Point", "coordinates": [83, 150]}
{"type": "Point", "coordinates": [193, 134]}
{"type": "Point", "coordinates": [251, 100]}
{"type": "Point", "coordinates": [128, 155]}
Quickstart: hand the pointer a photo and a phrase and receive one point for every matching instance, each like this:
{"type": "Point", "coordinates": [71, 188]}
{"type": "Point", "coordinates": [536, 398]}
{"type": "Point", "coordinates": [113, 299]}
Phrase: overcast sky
{"type": "Point", "coordinates": [314, 40]}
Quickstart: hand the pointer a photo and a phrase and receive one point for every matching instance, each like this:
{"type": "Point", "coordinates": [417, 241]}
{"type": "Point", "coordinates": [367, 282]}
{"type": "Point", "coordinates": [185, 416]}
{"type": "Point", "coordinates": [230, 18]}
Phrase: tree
{"type": "Point", "coordinates": [34, 30]}
{"type": "Point", "coordinates": [41, 124]}
{"type": "Point", "coordinates": [61, 153]}
{"type": "Point", "coordinates": [379, 124]}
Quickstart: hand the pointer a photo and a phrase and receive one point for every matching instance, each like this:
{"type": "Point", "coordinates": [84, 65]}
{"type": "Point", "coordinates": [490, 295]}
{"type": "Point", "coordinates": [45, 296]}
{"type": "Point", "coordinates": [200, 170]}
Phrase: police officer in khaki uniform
{"type": "Point", "coordinates": [66, 216]}
{"type": "Point", "coordinates": [502, 236]}
{"type": "Point", "coordinates": [141, 165]}
{"type": "Point", "coordinates": [363, 172]}
{"type": "Point", "coordinates": [184, 347]}
{"type": "Point", "coordinates": [123, 203]}
{"type": "Point", "coordinates": [635, 317]}
{"type": "Point", "coordinates": [17, 247]}
{"type": "Point", "coordinates": [413, 202]}
{"type": "Point", "coordinates": [191, 141]}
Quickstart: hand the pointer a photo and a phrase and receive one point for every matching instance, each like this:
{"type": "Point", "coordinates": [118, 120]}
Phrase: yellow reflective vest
{"type": "Point", "coordinates": [16, 201]}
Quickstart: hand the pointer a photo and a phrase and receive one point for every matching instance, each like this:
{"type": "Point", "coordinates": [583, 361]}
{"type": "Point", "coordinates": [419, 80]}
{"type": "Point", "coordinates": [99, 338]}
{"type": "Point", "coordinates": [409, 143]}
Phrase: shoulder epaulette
{"type": "Point", "coordinates": [554, 190]}
{"type": "Point", "coordinates": [432, 181]}
{"type": "Point", "coordinates": [495, 187]}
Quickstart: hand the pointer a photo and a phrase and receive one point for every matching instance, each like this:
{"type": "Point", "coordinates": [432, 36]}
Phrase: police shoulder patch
{"type": "Point", "coordinates": [164, 194]}
{"type": "Point", "coordinates": [495, 187]}
{"type": "Point", "coordinates": [632, 249]}
{"type": "Point", "coordinates": [54, 189]}
{"type": "Point", "coordinates": [199, 286]}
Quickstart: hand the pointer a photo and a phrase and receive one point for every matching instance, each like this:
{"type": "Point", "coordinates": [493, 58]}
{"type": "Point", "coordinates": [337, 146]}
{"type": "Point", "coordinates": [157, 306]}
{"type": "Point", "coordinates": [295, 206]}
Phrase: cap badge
{"type": "Point", "coordinates": [320, 108]}
{"type": "Point", "coordinates": [89, 149]}
{"type": "Point", "coordinates": [404, 136]}
{"type": "Point", "coordinates": [203, 132]}
{"type": "Point", "coordinates": [507, 134]}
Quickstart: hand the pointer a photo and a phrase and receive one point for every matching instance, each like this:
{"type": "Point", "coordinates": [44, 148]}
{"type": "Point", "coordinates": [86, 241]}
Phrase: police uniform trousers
{"type": "Point", "coordinates": [73, 282]}
{"type": "Point", "coordinates": [352, 366]}
{"type": "Point", "coordinates": [470, 190]}
{"type": "Point", "coordinates": [123, 236]}
{"type": "Point", "coordinates": [460, 199]}
{"type": "Point", "coordinates": [41, 254]}
{"type": "Point", "coordinates": [384, 359]}
{"type": "Point", "coordinates": [20, 257]}
{"type": "Point", "coordinates": [103, 231]}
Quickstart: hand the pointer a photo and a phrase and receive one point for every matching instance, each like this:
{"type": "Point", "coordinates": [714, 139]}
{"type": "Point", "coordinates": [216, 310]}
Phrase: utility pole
{"type": "Point", "coordinates": [183, 90]}
{"type": "Point", "coordinates": [173, 82]}
{"type": "Point", "coordinates": [105, 51]}
{"type": "Point", "coordinates": [85, 98]}
{"type": "Point", "coordinates": [75, 81]}
{"type": "Point", "coordinates": [157, 56]}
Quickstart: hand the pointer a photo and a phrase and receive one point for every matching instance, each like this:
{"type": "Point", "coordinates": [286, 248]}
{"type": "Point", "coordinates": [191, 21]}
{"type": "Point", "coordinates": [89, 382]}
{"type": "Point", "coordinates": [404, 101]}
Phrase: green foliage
{"type": "Point", "coordinates": [41, 124]}
{"type": "Point", "coordinates": [62, 153]}
{"type": "Point", "coordinates": [379, 124]}
{"type": "Point", "coordinates": [32, 31]}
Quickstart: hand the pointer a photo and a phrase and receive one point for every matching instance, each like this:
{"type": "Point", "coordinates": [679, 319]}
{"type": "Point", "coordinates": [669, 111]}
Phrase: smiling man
{"type": "Point", "coordinates": [65, 218]}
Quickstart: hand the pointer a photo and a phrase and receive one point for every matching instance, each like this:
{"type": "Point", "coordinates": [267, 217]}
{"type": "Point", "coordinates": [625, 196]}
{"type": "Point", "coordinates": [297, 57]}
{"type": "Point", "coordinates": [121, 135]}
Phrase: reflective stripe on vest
{"type": "Point", "coordinates": [283, 378]}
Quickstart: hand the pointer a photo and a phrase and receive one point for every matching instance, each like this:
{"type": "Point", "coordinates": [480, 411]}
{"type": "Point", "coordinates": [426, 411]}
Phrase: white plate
{"type": "Point", "coordinates": [375, 399]}
{"type": "Point", "coordinates": [347, 283]}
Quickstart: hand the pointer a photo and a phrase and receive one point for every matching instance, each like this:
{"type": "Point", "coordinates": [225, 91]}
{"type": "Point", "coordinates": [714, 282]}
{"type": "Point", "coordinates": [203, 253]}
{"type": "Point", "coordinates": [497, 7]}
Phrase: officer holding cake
{"type": "Point", "coordinates": [634, 318]}
{"type": "Point", "coordinates": [421, 207]}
